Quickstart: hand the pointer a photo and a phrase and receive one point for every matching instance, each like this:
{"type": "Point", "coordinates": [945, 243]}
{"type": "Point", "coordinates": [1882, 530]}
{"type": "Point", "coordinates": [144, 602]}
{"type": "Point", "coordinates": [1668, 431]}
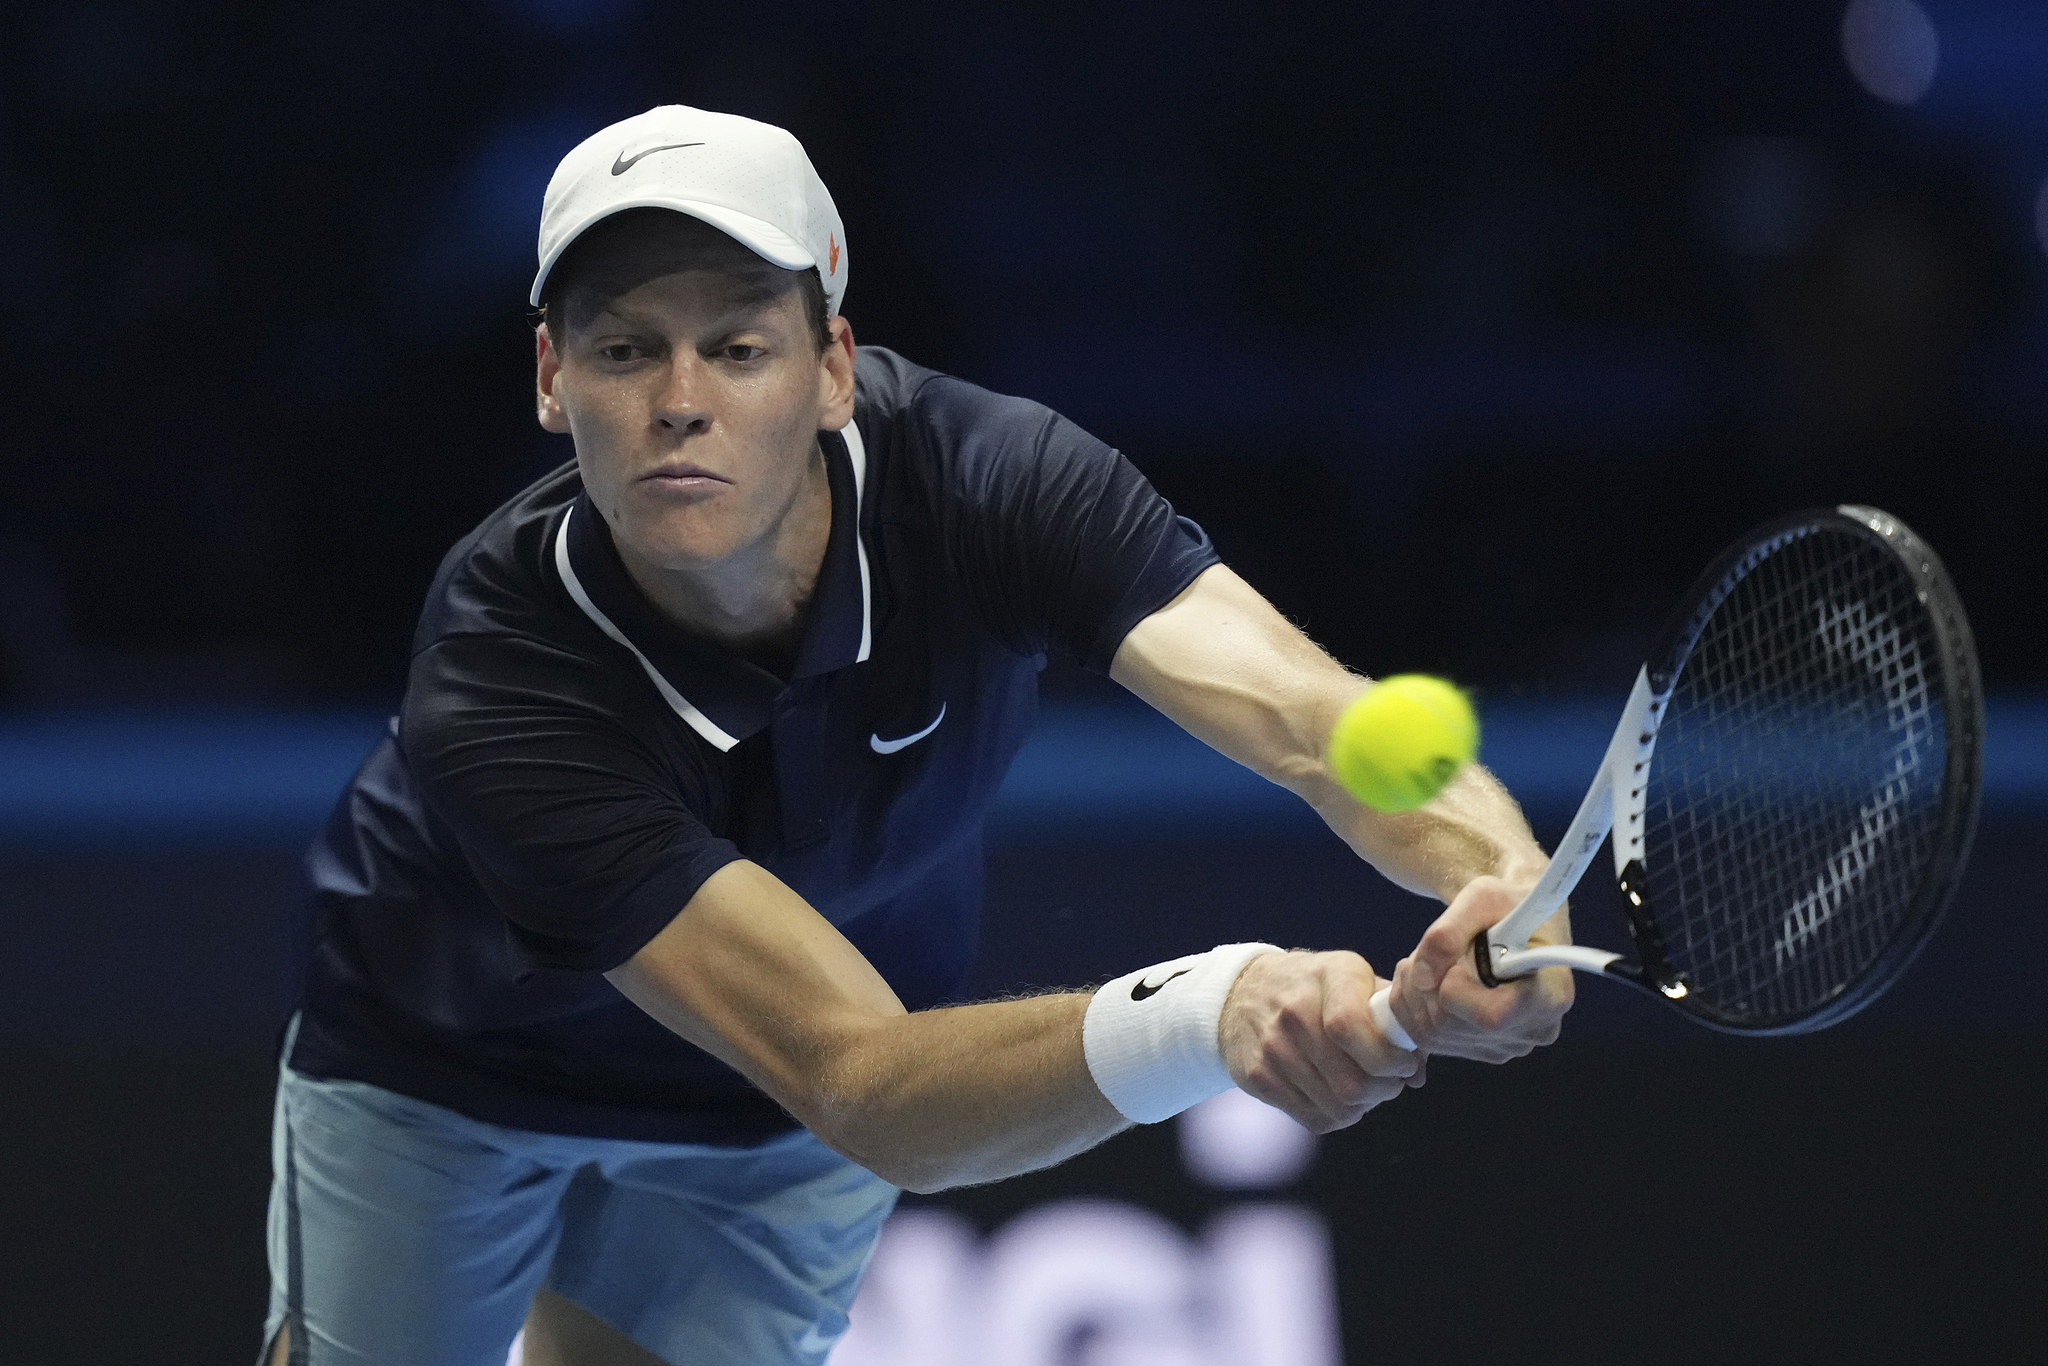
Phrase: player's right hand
{"type": "Point", "coordinates": [1440, 1000]}
{"type": "Point", "coordinates": [1297, 1033]}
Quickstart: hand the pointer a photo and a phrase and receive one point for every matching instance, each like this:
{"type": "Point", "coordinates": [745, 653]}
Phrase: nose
{"type": "Point", "coordinates": [682, 405]}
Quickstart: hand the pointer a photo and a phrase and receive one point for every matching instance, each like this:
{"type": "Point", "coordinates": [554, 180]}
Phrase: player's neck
{"type": "Point", "coordinates": [756, 600]}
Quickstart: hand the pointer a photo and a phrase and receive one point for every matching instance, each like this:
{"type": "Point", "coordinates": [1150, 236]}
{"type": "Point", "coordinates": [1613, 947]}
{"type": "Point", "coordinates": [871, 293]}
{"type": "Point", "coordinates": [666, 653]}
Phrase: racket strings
{"type": "Point", "coordinates": [1795, 790]}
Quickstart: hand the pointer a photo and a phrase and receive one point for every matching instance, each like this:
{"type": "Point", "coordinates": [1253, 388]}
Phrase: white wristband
{"type": "Point", "coordinates": [1150, 1036]}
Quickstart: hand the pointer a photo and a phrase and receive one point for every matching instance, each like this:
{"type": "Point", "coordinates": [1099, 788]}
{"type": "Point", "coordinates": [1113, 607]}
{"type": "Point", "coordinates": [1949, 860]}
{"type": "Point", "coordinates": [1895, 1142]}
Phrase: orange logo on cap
{"type": "Point", "coordinates": [833, 267]}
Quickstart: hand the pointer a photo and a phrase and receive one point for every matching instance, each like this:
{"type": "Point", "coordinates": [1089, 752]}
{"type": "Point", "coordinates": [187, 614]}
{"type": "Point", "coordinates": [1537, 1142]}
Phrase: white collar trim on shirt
{"type": "Point", "coordinates": [697, 720]}
{"type": "Point", "coordinates": [857, 455]}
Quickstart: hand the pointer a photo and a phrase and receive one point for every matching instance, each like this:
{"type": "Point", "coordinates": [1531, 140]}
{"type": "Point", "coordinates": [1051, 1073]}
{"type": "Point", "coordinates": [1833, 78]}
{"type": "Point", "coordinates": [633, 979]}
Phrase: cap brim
{"type": "Point", "coordinates": [765, 240]}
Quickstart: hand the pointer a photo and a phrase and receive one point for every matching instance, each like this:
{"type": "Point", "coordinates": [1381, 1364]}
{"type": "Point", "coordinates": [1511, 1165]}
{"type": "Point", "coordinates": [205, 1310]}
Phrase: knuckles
{"type": "Point", "coordinates": [1440, 941]}
{"type": "Point", "coordinates": [1294, 1021]}
{"type": "Point", "coordinates": [1348, 1023]}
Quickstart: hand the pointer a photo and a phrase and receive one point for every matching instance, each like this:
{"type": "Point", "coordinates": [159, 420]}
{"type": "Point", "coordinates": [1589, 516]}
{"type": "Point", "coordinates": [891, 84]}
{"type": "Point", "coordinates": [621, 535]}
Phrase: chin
{"type": "Point", "coordinates": [668, 548]}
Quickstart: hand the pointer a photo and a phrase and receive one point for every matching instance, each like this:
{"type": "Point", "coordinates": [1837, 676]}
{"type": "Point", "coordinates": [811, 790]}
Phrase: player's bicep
{"type": "Point", "coordinates": [750, 973]}
{"type": "Point", "coordinates": [1227, 667]}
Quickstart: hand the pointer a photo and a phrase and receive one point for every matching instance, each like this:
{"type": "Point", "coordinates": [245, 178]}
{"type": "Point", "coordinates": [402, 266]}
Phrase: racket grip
{"type": "Point", "coordinates": [1383, 1015]}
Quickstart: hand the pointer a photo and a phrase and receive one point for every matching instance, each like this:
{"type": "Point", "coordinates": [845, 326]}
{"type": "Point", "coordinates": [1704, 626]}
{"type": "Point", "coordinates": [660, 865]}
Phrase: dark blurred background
{"type": "Point", "coordinates": [1469, 331]}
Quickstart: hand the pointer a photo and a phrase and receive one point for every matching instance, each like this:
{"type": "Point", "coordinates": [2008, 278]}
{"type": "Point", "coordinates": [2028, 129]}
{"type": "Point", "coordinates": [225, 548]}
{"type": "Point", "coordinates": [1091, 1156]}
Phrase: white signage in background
{"type": "Point", "coordinates": [1098, 1283]}
{"type": "Point", "coordinates": [1103, 1283]}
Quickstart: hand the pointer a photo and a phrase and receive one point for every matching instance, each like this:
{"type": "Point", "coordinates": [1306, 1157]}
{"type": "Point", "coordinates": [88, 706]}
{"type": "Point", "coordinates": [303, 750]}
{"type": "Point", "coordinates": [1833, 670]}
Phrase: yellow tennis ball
{"type": "Point", "coordinates": [1402, 740]}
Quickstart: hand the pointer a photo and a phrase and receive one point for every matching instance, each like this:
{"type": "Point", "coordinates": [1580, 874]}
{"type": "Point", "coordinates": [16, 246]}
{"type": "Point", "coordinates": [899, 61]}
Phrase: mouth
{"type": "Point", "coordinates": [681, 476]}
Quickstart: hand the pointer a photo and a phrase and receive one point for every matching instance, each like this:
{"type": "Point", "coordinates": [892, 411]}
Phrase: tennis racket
{"type": "Point", "coordinates": [1791, 789]}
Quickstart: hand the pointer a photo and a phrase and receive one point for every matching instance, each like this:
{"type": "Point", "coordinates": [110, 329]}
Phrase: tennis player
{"type": "Point", "coordinates": [624, 1021]}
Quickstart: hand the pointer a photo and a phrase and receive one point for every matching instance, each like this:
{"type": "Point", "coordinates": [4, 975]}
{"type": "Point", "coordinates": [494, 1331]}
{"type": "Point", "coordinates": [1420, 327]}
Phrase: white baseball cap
{"type": "Point", "coordinates": [750, 180]}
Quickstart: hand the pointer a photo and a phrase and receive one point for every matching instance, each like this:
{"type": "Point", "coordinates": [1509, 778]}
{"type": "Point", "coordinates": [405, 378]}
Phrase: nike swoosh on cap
{"type": "Point", "coordinates": [623, 163]}
{"type": "Point", "coordinates": [881, 746]}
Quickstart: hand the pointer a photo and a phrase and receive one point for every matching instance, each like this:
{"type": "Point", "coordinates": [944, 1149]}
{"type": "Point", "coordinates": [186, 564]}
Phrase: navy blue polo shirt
{"type": "Point", "coordinates": [569, 767]}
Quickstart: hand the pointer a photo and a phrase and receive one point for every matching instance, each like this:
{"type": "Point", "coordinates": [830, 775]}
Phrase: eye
{"type": "Point", "coordinates": [618, 353]}
{"type": "Point", "coordinates": [743, 351]}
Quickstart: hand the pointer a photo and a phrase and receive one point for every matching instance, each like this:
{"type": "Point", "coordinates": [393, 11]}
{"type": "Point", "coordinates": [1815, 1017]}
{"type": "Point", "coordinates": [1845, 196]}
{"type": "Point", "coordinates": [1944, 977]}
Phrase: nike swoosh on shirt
{"type": "Point", "coordinates": [881, 746]}
{"type": "Point", "coordinates": [623, 163]}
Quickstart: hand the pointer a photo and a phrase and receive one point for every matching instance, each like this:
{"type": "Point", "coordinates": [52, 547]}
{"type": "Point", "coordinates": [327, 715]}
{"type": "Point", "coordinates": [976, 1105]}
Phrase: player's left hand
{"type": "Point", "coordinates": [1440, 1001]}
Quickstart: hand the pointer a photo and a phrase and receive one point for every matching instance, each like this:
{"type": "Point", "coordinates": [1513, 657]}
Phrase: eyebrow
{"type": "Point", "coordinates": [753, 295]}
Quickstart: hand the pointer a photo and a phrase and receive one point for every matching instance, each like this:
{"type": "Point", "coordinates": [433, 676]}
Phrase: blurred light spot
{"type": "Point", "coordinates": [1239, 1143]}
{"type": "Point", "coordinates": [1892, 48]}
{"type": "Point", "coordinates": [1763, 196]}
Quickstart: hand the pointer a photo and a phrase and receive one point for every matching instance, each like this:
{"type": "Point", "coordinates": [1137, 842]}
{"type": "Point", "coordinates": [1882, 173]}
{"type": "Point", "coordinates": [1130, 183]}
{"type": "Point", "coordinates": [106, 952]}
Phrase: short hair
{"type": "Point", "coordinates": [618, 254]}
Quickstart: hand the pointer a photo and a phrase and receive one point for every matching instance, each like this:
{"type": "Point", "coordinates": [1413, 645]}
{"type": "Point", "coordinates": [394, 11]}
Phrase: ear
{"type": "Point", "coordinates": [835, 377]}
{"type": "Point", "coordinates": [547, 366]}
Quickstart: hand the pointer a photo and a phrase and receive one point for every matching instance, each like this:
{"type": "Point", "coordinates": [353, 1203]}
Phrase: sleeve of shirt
{"type": "Point", "coordinates": [582, 826]}
{"type": "Point", "coordinates": [1062, 542]}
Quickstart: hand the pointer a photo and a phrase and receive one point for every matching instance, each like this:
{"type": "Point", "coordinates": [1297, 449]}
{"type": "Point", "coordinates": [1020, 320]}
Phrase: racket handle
{"type": "Point", "coordinates": [1382, 1011]}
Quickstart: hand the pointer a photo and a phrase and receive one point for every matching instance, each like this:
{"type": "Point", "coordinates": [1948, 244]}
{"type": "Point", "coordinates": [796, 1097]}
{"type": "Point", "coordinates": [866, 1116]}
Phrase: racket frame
{"type": "Point", "coordinates": [1616, 800]}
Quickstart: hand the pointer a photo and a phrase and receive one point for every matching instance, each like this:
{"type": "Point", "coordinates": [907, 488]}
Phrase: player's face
{"type": "Point", "coordinates": [695, 400]}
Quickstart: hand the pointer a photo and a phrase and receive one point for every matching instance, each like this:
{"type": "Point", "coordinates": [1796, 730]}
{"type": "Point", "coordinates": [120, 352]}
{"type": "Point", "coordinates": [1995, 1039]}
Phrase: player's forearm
{"type": "Point", "coordinates": [1471, 829]}
{"type": "Point", "coordinates": [927, 1100]}
{"type": "Point", "coordinates": [963, 1095]}
{"type": "Point", "coordinates": [756, 977]}
{"type": "Point", "coordinates": [1237, 675]}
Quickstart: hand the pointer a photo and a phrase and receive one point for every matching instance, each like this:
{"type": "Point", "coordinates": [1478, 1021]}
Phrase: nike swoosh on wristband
{"type": "Point", "coordinates": [881, 746]}
{"type": "Point", "coordinates": [1141, 989]}
{"type": "Point", "coordinates": [623, 163]}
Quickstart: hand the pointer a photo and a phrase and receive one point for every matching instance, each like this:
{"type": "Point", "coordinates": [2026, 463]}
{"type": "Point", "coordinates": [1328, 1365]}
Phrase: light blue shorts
{"type": "Point", "coordinates": [404, 1234]}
